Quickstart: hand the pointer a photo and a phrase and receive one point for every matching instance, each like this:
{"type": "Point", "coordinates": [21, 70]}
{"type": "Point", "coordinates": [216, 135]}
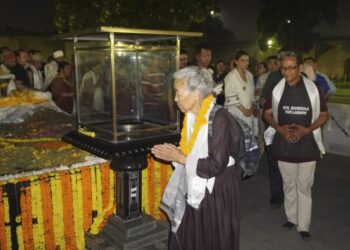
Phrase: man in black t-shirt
{"type": "Point", "coordinates": [295, 111]}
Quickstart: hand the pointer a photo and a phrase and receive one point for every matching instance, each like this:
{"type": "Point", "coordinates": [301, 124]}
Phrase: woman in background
{"type": "Point", "coordinates": [239, 89]}
{"type": "Point", "coordinates": [62, 90]}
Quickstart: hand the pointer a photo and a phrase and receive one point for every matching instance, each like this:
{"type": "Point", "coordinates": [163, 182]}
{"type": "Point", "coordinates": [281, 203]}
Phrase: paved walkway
{"type": "Point", "coordinates": [330, 225]}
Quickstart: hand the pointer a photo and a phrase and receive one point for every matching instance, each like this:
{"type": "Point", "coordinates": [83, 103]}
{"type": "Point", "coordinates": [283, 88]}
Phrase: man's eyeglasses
{"type": "Point", "coordinates": [284, 69]}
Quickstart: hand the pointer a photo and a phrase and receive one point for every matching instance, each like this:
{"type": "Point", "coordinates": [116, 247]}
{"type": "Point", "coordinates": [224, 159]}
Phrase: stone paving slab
{"type": "Point", "coordinates": [330, 225]}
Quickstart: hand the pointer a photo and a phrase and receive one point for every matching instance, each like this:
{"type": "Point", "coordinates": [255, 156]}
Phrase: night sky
{"type": "Point", "coordinates": [36, 15]}
{"type": "Point", "coordinates": [238, 15]}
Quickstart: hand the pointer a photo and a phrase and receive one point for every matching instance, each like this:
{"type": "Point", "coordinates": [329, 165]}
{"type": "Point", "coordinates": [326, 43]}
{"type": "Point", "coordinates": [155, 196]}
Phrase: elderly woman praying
{"type": "Point", "coordinates": [202, 196]}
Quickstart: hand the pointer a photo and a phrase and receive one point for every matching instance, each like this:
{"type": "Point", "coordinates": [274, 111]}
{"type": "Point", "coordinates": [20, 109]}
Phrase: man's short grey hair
{"type": "Point", "coordinates": [287, 52]}
{"type": "Point", "coordinates": [197, 78]}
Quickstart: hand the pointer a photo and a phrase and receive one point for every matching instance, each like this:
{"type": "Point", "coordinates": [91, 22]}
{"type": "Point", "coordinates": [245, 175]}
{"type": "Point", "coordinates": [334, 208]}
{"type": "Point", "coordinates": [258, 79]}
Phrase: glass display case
{"type": "Point", "coordinates": [124, 90]}
{"type": "Point", "coordinates": [139, 102]}
{"type": "Point", "coordinates": [125, 101]}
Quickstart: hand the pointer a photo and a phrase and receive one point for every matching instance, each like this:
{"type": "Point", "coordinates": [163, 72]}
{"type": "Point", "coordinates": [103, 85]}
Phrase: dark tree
{"type": "Point", "coordinates": [214, 30]}
{"type": "Point", "coordinates": [293, 22]}
{"type": "Point", "coordinates": [148, 14]}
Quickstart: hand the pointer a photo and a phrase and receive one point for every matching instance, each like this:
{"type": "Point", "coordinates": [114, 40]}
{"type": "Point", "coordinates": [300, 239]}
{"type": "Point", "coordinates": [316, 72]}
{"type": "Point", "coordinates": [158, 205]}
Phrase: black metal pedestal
{"type": "Point", "coordinates": [129, 229]}
{"type": "Point", "coordinates": [129, 195]}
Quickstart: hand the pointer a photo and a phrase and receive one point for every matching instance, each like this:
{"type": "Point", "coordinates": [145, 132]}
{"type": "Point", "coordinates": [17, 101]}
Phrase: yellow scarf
{"type": "Point", "coordinates": [200, 120]}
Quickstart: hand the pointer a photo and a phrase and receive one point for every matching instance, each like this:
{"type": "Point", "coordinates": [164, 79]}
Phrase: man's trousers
{"type": "Point", "coordinates": [298, 179]}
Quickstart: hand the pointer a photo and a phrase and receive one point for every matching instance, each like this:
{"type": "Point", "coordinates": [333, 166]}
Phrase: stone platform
{"type": "Point", "coordinates": [142, 233]}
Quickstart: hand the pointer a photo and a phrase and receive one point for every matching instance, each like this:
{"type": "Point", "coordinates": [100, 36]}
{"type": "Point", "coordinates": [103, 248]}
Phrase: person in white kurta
{"type": "Point", "coordinates": [239, 89]}
{"type": "Point", "coordinates": [51, 68]}
{"type": "Point", "coordinates": [7, 83]}
{"type": "Point", "coordinates": [92, 88]}
{"type": "Point", "coordinates": [35, 75]}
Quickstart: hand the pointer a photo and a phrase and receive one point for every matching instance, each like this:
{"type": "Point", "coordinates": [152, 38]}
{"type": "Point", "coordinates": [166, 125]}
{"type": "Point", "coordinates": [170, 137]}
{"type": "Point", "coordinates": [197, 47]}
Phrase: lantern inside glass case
{"type": "Point", "coordinates": [124, 92]}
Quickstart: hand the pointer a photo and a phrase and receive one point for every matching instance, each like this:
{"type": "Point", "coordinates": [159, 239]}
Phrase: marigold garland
{"type": "Point", "coordinates": [145, 191]}
{"type": "Point", "coordinates": [67, 198]}
{"type": "Point", "coordinates": [36, 203]}
{"type": "Point", "coordinates": [47, 212]}
{"type": "Point", "coordinates": [7, 221]}
{"type": "Point", "coordinates": [163, 182]}
{"type": "Point", "coordinates": [77, 207]}
{"type": "Point", "coordinates": [2, 225]}
{"type": "Point", "coordinates": [109, 209]}
{"type": "Point", "coordinates": [97, 201]}
{"type": "Point", "coordinates": [57, 209]}
{"type": "Point", "coordinates": [19, 219]}
{"type": "Point", "coordinates": [157, 189]}
{"type": "Point", "coordinates": [93, 198]}
{"type": "Point", "coordinates": [49, 196]}
{"type": "Point", "coordinates": [87, 206]}
{"type": "Point", "coordinates": [185, 144]}
{"type": "Point", "coordinates": [19, 233]}
{"type": "Point", "coordinates": [99, 218]}
{"type": "Point", "coordinates": [104, 205]}
{"type": "Point", "coordinates": [20, 140]}
{"type": "Point", "coordinates": [105, 185]}
{"type": "Point", "coordinates": [150, 184]}
{"type": "Point", "coordinates": [26, 216]}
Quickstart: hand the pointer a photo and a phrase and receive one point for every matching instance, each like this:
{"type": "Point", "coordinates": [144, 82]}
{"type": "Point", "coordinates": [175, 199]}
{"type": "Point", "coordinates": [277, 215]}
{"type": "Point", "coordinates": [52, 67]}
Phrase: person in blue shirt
{"type": "Point", "coordinates": [321, 80]}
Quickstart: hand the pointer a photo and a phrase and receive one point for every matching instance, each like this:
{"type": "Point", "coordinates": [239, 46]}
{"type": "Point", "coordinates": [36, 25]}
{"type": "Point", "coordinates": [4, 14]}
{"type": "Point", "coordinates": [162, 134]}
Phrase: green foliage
{"type": "Point", "coordinates": [293, 22]}
{"type": "Point", "coordinates": [147, 14]}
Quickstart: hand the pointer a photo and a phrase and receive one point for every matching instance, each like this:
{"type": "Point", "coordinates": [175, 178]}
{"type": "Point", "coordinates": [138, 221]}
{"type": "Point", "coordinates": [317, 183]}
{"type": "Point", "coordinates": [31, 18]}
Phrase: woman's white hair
{"type": "Point", "coordinates": [197, 78]}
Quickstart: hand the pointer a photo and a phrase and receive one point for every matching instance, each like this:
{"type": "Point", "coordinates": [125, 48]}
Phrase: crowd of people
{"type": "Point", "coordinates": [284, 103]}
{"type": "Point", "coordinates": [27, 70]}
{"type": "Point", "coordinates": [285, 106]}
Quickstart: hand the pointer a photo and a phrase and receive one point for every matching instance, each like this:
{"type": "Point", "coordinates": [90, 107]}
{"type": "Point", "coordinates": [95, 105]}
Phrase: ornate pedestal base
{"type": "Point", "coordinates": [142, 233]}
